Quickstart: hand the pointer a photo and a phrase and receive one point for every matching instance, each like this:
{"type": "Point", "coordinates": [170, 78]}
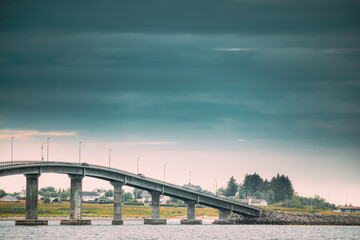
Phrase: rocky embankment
{"type": "Point", "coordinates": [281, 218]}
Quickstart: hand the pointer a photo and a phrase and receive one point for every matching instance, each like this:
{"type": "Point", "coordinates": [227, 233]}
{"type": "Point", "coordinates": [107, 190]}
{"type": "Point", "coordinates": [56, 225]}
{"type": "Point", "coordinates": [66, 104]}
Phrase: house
{"type": "Point", "coordinates": [254, 202]}
{"type": "Point", "coordinates": [90, 196]}
{"type": "Point", "coordinates": [146, 198]}
{"type": "Point", "coordinates": [55, 200]}
{"type": "Point", "coordinates": [347, 209]}
{"type": "Point", "coordinates": [8, 198]}
{"type": "Point", "coordinates": [22, 194]}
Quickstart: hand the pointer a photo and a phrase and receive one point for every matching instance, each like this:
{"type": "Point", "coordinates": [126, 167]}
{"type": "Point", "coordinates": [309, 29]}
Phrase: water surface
{"type": "Point", "coordinates": [173, 230]}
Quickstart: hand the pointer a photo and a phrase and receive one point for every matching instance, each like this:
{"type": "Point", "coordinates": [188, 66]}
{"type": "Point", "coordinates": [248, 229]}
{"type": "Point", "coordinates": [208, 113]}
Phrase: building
{"type": "Point", "coordinates": [8, 198]}
{"type": "Point", "coordinates": [347, 209]}
{"type": "Point", "coordinates": [254, 202]}
{"type": "Point", "coordinates": [55, 200]}
{"type": "Point", "coordinates": [146, 198]}
{"type": "Point", "coordinates": [90, 196]}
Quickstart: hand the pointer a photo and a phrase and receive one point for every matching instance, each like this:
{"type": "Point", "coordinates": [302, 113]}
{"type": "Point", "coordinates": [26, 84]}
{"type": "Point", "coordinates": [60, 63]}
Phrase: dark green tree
{"type": "Point", "coordinates": [232, 188]}
{"type": "Point", "coordinates": [252, 183]}
{"type": "Point", "coordinates": [282, 187]}
{"type": "Point", "coordinates": [109, 193]}
{"type": "Point", "coordinates": [2, 193]}
{"type": "Point", "coordinates": [126, 196]}
{"type": "Point", "coordinates": [137, 193]}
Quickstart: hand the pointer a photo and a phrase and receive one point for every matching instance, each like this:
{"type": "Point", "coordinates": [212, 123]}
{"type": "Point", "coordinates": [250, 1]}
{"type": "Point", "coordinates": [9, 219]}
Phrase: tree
{"type": "Point", "coordinates": [2, 193]}
{"type": "Point", "coordinates": [126, 196]}
{"type": "Point", "coordinates": [231, 188]}
{"type": "Point", "coordinates": [252, 183]}
{"type": "Point", "coordinates": [46, 199]}
{"type": "Point", "coordinates": [137, 193]}
{"type": "Point", "coordinates": [48, 192]}
{"type": "Point", "coordinates": [110, 193]}
{"type": "Point", "coordinates": [282, 187]}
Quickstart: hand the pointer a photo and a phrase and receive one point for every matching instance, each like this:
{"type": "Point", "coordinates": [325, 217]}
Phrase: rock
{"type": "Point", "coordinates": [282, 218]}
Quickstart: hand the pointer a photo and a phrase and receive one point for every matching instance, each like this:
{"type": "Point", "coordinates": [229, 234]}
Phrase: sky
{"type": "Point", "coordinates": [215, 88]}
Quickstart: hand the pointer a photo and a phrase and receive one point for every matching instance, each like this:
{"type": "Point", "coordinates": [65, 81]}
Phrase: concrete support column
{"type": "Point", "coordinates": [224, 217]}
{"type": "Point", "coordinates": [76, 196]}
{"type": "Point", "coordinates": [32, 183]}
{"type": "Point", "coordinates": [75, 202]}
{"type": "Point", "coordinates": [117, 203]}
{"type": "Point", "coordinates": [190, 214]}
{"type": "Point", "coordinates": [155, 210]}
{"type": "Point", "coordinates": [155, 204]}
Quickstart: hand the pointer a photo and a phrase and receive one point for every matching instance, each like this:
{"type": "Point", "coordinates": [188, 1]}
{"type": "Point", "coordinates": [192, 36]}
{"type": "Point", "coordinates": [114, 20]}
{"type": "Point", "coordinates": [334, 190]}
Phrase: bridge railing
{"type": "Point", "coordinates": [37, 162]}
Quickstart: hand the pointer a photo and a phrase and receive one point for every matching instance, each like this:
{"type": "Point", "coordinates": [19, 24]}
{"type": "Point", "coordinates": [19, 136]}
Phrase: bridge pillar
{"type": "Point", "coordinates": [117, 203]}
{"type": "Point", "coordinates": [190, 214]}
{"type": "Point", "coordinates": [155, 210]}
{"type": "Point", "coordinates": [224, 217]}
{"type": "Point", "coordinates": [32, 186]}
{"type": "Point", "coordinates": [75, 202]}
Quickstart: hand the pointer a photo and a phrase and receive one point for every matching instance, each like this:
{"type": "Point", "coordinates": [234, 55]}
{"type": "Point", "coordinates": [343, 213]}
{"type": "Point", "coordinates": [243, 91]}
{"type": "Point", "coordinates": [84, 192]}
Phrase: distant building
{"type": "Point", "coordinates": [255, 202]}
{"type": "Point", "coordinates": [22, 194]}
{"type": "Point", "coordinates": [146, 198]}
{"type": "Point", "coordinates": [347, 209]}
{"type": "Point", "coordinates": [8, 198]}
{"type": "Point", "coordinates": [55, 200]}
{"type": "Point", "coordinates": [90, 196]}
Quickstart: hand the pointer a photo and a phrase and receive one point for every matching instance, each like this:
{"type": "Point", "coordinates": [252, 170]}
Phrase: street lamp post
{"type": "Point", "coordinates": [42, 151]}
{"type": "Point", "coordinates": [48, 139]}
{"type": "Point", "coordinates": [109, 157]}
{"type": "Point", "coordinates": [189, 178]}
{"type": "Point", "coordinates": [137, 165]}
{"type": "Point", "coordinates": [80, 152]}
{"type": "Point", "coordinates": [164, 171]}
{"type": "Point", "coordinates": [12, 149]}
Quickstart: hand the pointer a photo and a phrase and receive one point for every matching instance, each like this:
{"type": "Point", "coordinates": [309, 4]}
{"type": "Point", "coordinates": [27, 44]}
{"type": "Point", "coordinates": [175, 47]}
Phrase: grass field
{"type": "Point", "coordinates": [17, 209]}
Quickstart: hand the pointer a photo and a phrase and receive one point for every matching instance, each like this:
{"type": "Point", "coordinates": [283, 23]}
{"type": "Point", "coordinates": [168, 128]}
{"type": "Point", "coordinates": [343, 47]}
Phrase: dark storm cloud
{"type": "Point", "coordinates": [180, 69]}
{"type": "Point", "coordinates": [189, 16]}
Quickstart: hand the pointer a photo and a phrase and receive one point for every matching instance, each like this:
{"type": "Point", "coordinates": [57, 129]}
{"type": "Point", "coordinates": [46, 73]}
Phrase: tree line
{"type": "Point", "coordinates": [277, 189]}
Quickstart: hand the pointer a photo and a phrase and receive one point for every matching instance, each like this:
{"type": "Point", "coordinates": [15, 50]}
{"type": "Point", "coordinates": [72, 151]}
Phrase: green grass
{"type": "Point", "coordinates": [17, 209]}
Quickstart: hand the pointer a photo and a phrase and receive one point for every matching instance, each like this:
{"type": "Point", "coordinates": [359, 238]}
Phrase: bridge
{"type": "Point", "coordinates": [118, 178]}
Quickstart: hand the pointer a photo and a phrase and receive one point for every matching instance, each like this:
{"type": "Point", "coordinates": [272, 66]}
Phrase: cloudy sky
{"type": "Point", "coordinates": [217, 88]}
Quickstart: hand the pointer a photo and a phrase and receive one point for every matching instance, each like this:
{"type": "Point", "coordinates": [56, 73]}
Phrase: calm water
{"type": "Point", "coordinates": [173, 230]}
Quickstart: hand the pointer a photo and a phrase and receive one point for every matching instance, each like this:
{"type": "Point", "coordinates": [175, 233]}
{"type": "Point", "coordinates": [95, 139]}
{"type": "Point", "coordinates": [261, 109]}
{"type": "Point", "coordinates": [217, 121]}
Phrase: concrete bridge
{"type": "Point", "coordinates": [118, 178]}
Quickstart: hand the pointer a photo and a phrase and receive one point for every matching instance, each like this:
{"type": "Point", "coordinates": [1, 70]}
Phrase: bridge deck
{"type": "Point", "coordinates": [130, 179]}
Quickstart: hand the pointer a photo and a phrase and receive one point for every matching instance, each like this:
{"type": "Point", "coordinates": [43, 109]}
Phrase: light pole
{"type": "Point", "coordinates": [12, 149]}
{"type": "Point", "coordinates": [137, 165]}
{"type": "Point", "coordinates": [48, 139]}
{"type": "Point", "coordinates": [164, 171]}
{"type": "Point", "coordinates": [109, 157]}
{"type": "Point", "coordinates": [79, 152]}
{"type": "Point", "coordinates": [189, 178]}
{"type": "Point", "coordinates": [42, 151]}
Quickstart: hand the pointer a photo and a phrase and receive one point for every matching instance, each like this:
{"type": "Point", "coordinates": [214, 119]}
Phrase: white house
{"type": "Point", "coordinates": [146, 198]}
{"type": "Point", "coordinates": [8, 198]}
{"type": "Point", "coordinates": [90, 196]}
{"type": "Point", "coordinates": [255, 202]}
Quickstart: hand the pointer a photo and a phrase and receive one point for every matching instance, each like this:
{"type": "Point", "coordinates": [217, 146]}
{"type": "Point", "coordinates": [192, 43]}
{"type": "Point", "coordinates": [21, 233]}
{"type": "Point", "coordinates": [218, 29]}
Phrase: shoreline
{"type": "Point", "coordinates": [100, 218]}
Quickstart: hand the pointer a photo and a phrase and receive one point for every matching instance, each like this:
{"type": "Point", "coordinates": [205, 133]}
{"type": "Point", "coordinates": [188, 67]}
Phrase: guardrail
{"type": "Point", "coordinates": [34, 162]}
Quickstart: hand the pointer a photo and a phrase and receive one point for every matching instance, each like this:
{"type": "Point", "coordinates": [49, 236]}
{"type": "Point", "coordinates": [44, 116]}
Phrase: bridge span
{"type": "Point", "coordinates": [118, 178]}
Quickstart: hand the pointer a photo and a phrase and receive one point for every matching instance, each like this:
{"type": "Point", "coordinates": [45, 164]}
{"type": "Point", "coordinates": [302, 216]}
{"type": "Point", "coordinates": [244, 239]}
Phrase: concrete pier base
{"type": "Point", "coordinates": [30, 222]}
{"type": "Point", "coordinates": [225, 217]}
{"type": "Point", "coordinates": [117, 222]}
{"type": "Point", "coordinates": [190, 215]}
{"type": "Point", "coordinates": [75, 222]}
{"type": "Point", "coordinates": [155, 221]}
{"type": "Point", "coordinates": [224, 222]}
{"type": "Point", "coordinates": [191, 221]}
